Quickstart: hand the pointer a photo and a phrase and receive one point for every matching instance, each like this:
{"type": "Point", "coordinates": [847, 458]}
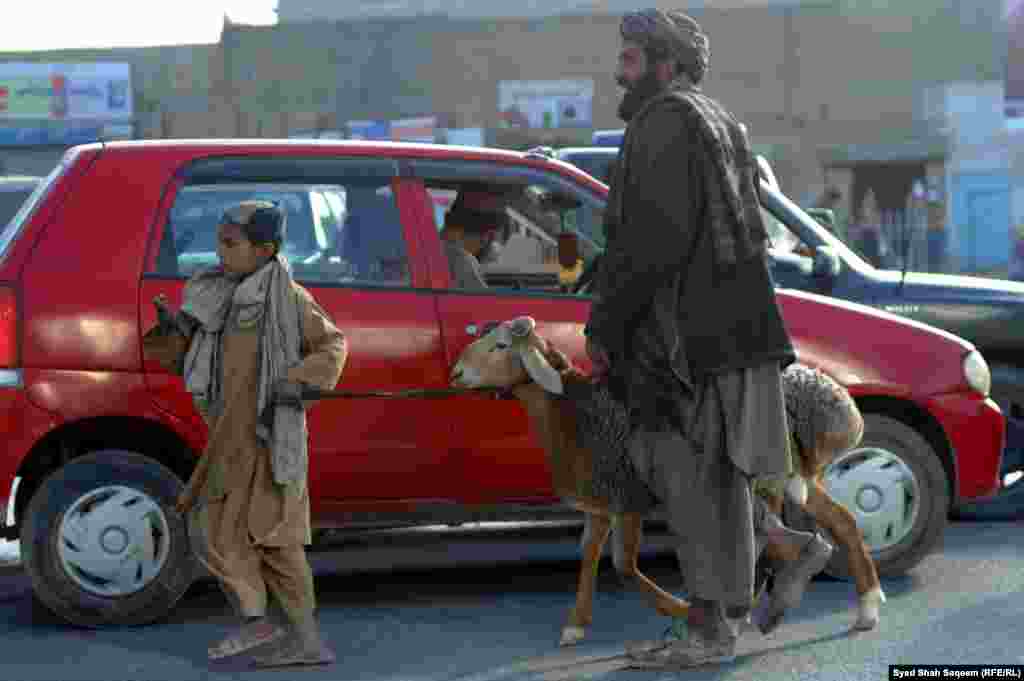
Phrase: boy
{"type": "Point", "coordinates": [247, 340]}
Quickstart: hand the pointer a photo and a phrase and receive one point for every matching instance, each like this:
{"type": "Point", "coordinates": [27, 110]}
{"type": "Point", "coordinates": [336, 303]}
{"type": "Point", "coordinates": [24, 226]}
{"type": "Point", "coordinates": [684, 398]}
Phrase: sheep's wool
{"type": "Point", "coordinates": [815, 404]}
{"type": "Point", "coordinates": [603, 428]}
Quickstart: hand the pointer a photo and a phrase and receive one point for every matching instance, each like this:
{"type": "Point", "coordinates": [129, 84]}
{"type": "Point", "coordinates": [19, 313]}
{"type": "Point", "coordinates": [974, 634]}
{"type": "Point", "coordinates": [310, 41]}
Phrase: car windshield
{"type": "Point", "coordinates": [781, 214]}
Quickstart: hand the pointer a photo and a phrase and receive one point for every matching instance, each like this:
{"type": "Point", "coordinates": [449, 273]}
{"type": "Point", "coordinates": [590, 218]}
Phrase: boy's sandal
{"type": "Point", "coordinates": [249, 636]}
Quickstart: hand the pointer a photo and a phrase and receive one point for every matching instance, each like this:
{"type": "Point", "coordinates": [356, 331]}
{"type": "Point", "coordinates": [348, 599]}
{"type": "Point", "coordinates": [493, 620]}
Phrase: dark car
{"type": "Point", "coordinates": [987, 312]}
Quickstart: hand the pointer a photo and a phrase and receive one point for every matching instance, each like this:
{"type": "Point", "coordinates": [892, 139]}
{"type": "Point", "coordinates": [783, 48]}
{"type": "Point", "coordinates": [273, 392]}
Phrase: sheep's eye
{"type": "Point", "coordinates": [499, 346]}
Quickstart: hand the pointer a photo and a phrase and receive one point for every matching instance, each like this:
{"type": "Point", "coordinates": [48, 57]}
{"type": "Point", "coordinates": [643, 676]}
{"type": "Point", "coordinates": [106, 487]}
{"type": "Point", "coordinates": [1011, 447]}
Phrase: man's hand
{"type": "Point", "coordinates": [287, 393]}
{"type": "Point", "coordinates": [599, 358]}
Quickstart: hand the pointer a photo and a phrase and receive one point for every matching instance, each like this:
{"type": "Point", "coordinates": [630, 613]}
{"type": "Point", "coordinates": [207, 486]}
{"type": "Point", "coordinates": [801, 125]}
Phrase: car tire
{"type": "Point", "coordinates": [879, 470]}
{"type": "Point", "coordinates": [102, 543]}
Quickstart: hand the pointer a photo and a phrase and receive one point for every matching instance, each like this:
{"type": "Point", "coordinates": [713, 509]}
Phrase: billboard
{"type": "Point", "coordinates": [545, 104]}
{"type": "Point", "coordinates": [64, 104]}
{"type": "Point", "coordinates": [1014, 105]}
{"type": "Point", "coordinates": [65, 92]}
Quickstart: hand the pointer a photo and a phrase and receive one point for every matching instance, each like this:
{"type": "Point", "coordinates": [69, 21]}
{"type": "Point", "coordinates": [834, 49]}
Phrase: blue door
{"type": "Point", "coordinates": [981, 220]}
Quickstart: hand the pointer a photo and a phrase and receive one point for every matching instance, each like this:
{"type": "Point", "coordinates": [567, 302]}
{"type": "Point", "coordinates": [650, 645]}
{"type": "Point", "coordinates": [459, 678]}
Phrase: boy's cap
{"type": "Point", "coordinates": [262, 221]}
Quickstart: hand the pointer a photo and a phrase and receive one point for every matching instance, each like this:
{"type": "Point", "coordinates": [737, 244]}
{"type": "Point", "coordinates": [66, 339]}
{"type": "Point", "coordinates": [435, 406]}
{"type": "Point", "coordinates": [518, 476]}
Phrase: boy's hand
{"type": "Point", "coordinates": [168, 320]}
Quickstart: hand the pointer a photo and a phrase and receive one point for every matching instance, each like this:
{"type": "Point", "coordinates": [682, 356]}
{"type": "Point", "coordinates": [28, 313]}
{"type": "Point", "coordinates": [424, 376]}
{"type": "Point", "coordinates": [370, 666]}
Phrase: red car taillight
{"type": "Point", "coordinates": [8, 328]}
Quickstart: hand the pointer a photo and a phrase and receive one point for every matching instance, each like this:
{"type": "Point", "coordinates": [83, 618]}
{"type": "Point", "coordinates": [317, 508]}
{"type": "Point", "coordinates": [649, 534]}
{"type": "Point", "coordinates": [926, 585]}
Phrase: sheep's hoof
{"type": "Point", "coordinates": [572, 635]}
{"type": "Point", "coordinates": [868, 615]}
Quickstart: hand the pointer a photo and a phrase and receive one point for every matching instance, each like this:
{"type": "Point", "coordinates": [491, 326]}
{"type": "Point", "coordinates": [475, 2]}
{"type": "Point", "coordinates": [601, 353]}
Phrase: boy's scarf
{"type": "Point", "coordinates": [209, 298]}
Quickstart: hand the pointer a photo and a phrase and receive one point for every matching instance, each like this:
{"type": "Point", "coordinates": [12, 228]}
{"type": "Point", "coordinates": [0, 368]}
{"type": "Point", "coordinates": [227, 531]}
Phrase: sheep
{"type": "Point", "coordinates": [511, 355]}
{"type": "Point", "coordinates": [824, 421]}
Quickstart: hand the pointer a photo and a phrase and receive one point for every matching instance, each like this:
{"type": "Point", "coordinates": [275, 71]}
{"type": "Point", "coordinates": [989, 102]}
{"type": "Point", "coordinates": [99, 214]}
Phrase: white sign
{"type": "Point", "coordinates": [65, 92]}
{"type": "Point", "coordinates": [546, 103]}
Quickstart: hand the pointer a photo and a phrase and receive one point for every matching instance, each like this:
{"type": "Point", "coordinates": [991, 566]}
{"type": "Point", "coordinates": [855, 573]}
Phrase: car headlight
{"type": "Point", "coordinates": [977, 374]}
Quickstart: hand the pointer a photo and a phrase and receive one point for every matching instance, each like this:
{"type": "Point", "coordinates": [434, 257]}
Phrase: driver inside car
{"type": "Point", "coordinates": [471, 236]}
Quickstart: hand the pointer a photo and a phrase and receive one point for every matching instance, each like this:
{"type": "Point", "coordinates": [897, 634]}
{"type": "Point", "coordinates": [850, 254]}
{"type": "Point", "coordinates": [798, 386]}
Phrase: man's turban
{"type": "Point", "coordinates": [670, 34]}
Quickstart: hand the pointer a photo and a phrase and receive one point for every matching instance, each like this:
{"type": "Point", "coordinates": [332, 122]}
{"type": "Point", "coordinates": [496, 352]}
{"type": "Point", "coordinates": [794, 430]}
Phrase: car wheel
{"type": "Point", "coordinates": [897, 489]}
{"type": "Point", "coordinates": [102, 543]}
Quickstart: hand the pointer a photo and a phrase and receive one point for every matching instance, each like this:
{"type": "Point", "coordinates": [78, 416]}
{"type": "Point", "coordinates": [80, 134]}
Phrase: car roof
{"type": "Point", "coordinates": [358, 147]}
{"type": "Point", "coordinates": [185, 150]}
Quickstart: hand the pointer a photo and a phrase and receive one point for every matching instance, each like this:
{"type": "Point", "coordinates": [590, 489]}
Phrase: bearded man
{"type": "Point", "coordinates": [685, 318]}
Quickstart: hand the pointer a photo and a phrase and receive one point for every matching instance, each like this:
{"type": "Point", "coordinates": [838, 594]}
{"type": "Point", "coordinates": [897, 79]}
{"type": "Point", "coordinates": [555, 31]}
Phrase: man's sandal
{"type": "Point", "coordinates": [247, 637]}
{"type": "Point", "coordinates": [293, 656]}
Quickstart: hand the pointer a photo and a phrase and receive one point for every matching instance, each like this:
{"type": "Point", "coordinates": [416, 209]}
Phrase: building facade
{"type": "Point", "coordinates": [849, 94]}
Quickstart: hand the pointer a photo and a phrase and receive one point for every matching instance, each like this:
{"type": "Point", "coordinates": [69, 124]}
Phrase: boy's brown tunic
{"type": "Point", "coordinates": [244, 518]}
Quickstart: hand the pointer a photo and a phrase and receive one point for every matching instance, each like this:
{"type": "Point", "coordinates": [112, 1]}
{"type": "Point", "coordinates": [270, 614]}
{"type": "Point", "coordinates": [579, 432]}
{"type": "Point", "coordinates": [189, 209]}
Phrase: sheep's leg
{"type": "Point", "coordinates": [595, 534]}
{"type": "Point", "coordinates": [840, 522]}
{"type": "Point", "coordinates": [627, 542]}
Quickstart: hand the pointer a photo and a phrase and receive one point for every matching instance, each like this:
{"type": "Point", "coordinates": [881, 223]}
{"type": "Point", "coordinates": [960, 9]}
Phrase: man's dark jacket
{"type": "Point", "coordinates": [665, 306]}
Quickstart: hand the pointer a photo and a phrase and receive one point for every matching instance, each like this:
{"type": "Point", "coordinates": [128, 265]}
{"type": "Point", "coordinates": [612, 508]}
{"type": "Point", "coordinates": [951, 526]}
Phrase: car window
{"type": "Point", "coordinates": [10, 201]}
{"type": "Point", "coordinates": [536, 214]}
{"type": "Point", "coordinates": [13, 224]}
{"type": "Point", "coordinates": [345, 233]}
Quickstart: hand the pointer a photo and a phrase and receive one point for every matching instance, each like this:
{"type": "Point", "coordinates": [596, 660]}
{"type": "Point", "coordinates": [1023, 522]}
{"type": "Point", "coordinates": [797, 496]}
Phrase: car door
{"type": "Point", "coordinates": [497, 458]}
{"type": "Point", "coordinates": [347, 243]}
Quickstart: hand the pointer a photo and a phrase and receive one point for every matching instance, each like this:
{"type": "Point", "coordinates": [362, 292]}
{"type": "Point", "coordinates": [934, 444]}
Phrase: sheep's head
{"type": "Point", "coordinates": [506, 356]}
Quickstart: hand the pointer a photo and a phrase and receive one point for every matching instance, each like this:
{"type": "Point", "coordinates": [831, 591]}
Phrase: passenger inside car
{"type": "Point", "coordinates": [470, 235]}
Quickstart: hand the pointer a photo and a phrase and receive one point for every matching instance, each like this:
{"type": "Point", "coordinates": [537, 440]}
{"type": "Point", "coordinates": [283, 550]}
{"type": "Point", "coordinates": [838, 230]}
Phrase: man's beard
{"type": "Point", "coordinates": [637, 94]}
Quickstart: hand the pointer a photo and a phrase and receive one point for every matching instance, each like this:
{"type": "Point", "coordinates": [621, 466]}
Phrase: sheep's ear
{"type": "Point", "coordinates": [542, 373]}
{"type": "Point", "coordinates": [521, 327]}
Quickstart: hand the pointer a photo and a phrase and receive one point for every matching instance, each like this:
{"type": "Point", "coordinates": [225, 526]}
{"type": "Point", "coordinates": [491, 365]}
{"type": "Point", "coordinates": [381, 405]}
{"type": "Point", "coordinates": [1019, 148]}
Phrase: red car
{"type": "Point", "coordinates": [98, 441]}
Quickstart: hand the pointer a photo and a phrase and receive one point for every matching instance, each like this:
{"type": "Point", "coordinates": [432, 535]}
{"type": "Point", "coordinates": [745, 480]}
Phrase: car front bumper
{"type": "Point", "coordinates": [976, 430]}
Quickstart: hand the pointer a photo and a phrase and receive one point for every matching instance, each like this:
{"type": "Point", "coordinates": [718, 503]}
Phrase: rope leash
{"type": "Point", "coordinates": [421, 393]}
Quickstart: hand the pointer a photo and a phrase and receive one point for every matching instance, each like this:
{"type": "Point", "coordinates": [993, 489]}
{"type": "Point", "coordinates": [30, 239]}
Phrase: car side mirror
{"type": "Point", "coordinates": [826, 263]}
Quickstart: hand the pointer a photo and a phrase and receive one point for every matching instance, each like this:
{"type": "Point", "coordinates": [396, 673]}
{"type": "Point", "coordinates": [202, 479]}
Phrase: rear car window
{"type": "Point", "coordinates": [28, 206]}
{"type": "Point", "coordinates": [344, 233]}
{"type": "Point", "coordinates": [11, 200]}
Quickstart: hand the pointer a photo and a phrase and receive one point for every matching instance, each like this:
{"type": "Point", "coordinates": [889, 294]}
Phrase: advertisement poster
{"type": "Point", "coordinates": [1015, 64]}
{"type": "Point", "coordinates": [545, 104]}
{"type": "Point", "coordinates": [65, 92]}
{"type": "Point", "coordinates": [64, 104]}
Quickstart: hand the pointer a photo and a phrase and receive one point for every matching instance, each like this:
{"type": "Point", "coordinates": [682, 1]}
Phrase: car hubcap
{"type": "Point", "coordinates": [113, 541]}
{"type": "Point", "coordinates": [880, 490]}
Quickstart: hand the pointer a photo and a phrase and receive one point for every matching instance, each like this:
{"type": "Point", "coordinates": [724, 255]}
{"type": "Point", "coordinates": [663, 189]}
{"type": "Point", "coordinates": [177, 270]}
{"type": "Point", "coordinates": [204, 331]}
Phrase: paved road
{"type": "Point", "coordinates": [498, 619]}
